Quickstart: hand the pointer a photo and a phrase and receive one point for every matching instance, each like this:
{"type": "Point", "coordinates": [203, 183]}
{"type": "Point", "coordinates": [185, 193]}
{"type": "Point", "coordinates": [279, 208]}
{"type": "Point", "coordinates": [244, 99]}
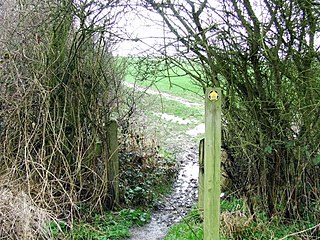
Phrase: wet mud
{"type": "Point", "coordinates": [172, 208]}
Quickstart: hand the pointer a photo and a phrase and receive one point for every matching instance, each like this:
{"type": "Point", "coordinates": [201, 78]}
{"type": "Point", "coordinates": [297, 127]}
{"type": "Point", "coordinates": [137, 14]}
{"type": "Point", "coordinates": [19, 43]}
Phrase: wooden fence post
{"type": "Point", "coordinates": [201, 177]}
{"type": "Point", "coordinates": [212, 163]}
{"type": "Point", "coordinates": [113, 163]}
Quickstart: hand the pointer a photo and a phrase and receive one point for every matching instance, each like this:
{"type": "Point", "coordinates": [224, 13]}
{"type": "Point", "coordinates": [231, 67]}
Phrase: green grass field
{"type": "Point", "coordinates": [172, 81]}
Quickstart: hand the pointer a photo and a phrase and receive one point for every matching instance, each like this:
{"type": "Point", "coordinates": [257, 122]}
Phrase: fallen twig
{"type": "Point", "coordinates": [296, 233]}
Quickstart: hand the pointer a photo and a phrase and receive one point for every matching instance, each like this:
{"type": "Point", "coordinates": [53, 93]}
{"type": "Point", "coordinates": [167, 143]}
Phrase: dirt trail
{"type": "Point", "coordinates": [150, 91]}
{"type": "Point", "coordinates": [172, 208]}
{"type": "Point", "coordinates": [176, 205]}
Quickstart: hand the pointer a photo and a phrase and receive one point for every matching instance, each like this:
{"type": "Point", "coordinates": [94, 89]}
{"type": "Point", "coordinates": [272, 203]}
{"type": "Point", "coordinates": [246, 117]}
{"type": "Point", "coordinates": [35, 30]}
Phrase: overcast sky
{"type": "Point", "coordinates": [147, 27]}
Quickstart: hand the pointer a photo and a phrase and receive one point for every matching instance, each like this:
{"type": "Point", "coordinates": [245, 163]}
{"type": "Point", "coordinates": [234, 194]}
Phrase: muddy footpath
{"type": "Point", "coordinates": [172, 208]}
{"type": "Point", "coordinates": [175, 206]}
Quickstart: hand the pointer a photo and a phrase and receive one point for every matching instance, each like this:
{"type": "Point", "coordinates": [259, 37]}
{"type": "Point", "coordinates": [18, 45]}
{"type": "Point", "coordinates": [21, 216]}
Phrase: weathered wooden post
{"type": "Point", "coordinates": [212, 163]}
{"type": "Point", "coordinates": [113, 163]}
{"type": "Point", "coordinates": [201, 177]}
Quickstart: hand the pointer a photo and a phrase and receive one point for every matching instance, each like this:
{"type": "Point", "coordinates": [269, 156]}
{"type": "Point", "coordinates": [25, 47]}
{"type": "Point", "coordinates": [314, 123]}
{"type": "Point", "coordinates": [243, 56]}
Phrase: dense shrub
{"type": "Point", "coordinates": [59, 87]}
{"type": "Point", "coordinates": [265, 58]}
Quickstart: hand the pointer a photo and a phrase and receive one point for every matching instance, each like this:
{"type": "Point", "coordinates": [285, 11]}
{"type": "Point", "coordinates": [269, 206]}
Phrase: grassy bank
{"type": "Point", "coordinates": [237, 223]}
{"type": "Point", "coordinates": [111, 225]}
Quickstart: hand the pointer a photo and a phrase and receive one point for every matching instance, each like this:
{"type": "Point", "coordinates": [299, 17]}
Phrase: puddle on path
{"type": "Point", "coordinates": [174, 119]}
{"type": "Point", "coordinates": [173, 207]}
{"type": "Point", "coordinates": [200, 129]}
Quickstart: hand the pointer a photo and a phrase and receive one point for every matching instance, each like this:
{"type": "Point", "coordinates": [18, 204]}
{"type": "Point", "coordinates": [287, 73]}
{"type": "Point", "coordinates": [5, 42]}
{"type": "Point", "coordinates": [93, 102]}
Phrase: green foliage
{"type": "Point", "coordinates": [190, 228]}
{"type": "Point", "coordinates": [114, 225]}
{"type": "Point", "coordinates": [316, 160]}
{"type": "Point", "coordinates": [135, 217]}
{"type": "Point", "coordinates": [57, 228]}
{"type": "Point", "coordinates": [237, 224]}
{"type": "Point", "coordinates": [147, 171]}
{"type": "Point", "coordinates": [233, 204]}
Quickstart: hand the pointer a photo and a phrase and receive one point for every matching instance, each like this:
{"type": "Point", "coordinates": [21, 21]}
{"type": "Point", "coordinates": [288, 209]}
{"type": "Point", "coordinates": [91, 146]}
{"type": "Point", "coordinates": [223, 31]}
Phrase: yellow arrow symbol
{"type": "Point", "coordinates": [213, 95]}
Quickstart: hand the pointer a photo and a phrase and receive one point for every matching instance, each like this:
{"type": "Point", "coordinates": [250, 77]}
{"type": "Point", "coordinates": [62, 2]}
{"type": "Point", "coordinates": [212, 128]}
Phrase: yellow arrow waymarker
{"type": "Point", "coordinates": [213, 95]}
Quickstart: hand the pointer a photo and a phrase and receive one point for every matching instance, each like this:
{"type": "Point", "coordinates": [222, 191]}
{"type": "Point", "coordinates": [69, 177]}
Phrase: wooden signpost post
{"type": "Point", "coordinates": [201, 178]}
{"type": "Point", "coordinates": [212, 163]}
{"type": "Point", "coordinates": [113, 163]}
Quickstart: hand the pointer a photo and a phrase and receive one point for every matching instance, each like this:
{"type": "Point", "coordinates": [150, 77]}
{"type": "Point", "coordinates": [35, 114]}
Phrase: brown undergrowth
{"type": "Point", "coordinates": [59, 87]}
{"type": "Point", "coordinates": [20, 217]}
{"type": "Point", "coordinates": [233, 224]}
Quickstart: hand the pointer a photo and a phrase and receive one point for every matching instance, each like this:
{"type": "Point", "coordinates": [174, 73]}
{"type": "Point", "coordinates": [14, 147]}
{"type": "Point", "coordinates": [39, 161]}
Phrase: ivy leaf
{"type": "Point", "coordinates": [268, 149]}
{"type": "Point", "coordinates": [316, 160]}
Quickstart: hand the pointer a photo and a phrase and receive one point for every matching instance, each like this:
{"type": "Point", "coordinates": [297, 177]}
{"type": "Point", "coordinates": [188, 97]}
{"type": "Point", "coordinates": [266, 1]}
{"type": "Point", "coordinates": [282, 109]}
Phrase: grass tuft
{"type": "Point", "coordinates": [237, 224]}
{"type": "Point", "coordinates": [111, 225]}
{"type": "Point", "coordinates": [190, 228]}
